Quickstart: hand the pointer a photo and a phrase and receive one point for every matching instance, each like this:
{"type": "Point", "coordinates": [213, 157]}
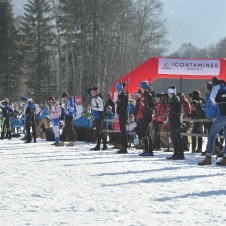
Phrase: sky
{"type": "Point", "coordinates": [201, 22]}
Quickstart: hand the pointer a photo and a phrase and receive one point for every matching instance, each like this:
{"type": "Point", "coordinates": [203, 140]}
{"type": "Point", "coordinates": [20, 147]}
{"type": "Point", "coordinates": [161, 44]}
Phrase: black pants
{"type": "Point", "coordinates": [99, 132]}
{"type": "Point", "coordinates": [175, 135]}
{"type": "Point", "coordinates": [122, 124]}
{"type": "Point", "coordinates": [31, 123]}
{"type": "Point", "coordinates": [147, 130]}
{"type": "Point", "coordinates": [157, 140]}
{"type": "Point", "coordinates": [110, 127]}
{"type": "Point", "coordinates": [197, 129]}
{"type": "Point", "coordinates": [185, 129]}
{"type": "Point", "coordinates": [6, 127]}
{"type": "Point", "coordinates": [68, 129]}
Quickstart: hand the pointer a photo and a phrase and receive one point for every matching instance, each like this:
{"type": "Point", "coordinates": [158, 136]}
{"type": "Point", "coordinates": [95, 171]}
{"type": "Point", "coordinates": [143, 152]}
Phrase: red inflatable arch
{"type": "Point", "coordinates": [156, 67]}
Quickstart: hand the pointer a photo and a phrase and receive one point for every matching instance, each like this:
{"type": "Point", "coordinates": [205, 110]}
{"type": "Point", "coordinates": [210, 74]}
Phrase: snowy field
{"type": "Point", "coordinates": [45, 185]}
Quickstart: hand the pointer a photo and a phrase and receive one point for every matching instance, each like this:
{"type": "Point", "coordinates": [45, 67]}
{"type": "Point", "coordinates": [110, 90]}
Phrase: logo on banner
{"type": "Point", "coordinates": [189, 67]}
{"type": "Point", "coordinates": [166, 66]}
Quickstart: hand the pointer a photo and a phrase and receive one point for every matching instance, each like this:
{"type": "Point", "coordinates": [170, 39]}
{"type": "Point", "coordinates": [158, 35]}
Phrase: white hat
{"type": "Point", "coordinates": [172, 91]}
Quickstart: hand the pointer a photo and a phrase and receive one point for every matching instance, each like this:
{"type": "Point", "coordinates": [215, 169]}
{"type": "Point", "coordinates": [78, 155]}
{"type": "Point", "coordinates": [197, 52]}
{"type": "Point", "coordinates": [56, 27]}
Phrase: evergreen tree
{"type": "Point", "coordinates": [10, 54]}
{"type": "Point", "coordinates": [38, 36]}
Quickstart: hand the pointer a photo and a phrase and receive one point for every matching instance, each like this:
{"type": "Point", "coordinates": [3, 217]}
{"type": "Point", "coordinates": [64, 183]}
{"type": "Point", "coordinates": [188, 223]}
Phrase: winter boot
{"type": "Point", "coordinates": [198, 150]}
{"type": "Point", "coordinates": [105, 147]}
{"type": "Point", "coordinates": [71, 144]}
{"type": "Point", "coordinates": [57, 140]}
{"type": "Point", "coordinates": [24, 138]}
{"type": "Point", "coordinates": [222, 162]}
{"type": "Point", "coordinates": [147, 154]}
{"type": "Point", "coordinates": [61, 144]}
{"type": "Point", "coordinates": [9, 135]}
{"type": "Point", "coordinates": [207, 161]}
{"type": "Point", "coordinates": [122, 151]}
{"type": "Point", "coordinates": [171, 157]}
{"type": "Point", "coordinates": [142, 154]}
{"type": "Point", "coordinates": [27, 141]}
{"type": "Point", "coordinates": [97, 148]}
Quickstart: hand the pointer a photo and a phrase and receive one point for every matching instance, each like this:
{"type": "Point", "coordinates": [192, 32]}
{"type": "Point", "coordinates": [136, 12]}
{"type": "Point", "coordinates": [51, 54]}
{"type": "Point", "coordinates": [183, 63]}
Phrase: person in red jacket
{"type": "Point", "coordinates": [161, 111]}
{"type": "Point", "coordinates": [140, 119]}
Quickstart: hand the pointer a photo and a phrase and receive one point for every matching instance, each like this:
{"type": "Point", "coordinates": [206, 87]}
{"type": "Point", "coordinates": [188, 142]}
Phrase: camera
{"type": "Point", "coordinates": [164, 98]}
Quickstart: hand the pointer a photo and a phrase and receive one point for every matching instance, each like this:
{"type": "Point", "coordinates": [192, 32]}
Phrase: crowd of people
{"type": "Point", "coordinates": [140, 120]}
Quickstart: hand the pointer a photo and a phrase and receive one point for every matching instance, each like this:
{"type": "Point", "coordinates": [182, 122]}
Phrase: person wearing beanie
{"type": "Point", "coordinates": [122, 111]}
{"type": "Point", "coordinates": [148, 105]}
{"type": "Point", "coordinates": [175, 124]}
{"type": "Point", "coordinates": [97, 115]}
{"type": "Point", "coordinates": [30, 112]}
{"type": "Point", "coordinates": [68, 130]}
{"type": "Point", "coordinates": [217, 97]}
{"type": "Point", "coordinates": [7, 111]}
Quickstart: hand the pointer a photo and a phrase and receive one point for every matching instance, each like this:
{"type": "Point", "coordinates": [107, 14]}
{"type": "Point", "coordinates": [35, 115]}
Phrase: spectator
{"type": "Point", "coordinates": [198, 109]}
{"type": "Point", "coordinates": [122, 107]}
{"type": "Point", "coordinates": [110, 124]}
{"type": "Point", "coordinates": [130, 129]}
{"type": "Point", "coordinates": [43, 118]}
{"type": "Point", "coordinates": [148, 109]}
{"type": "Point", "coordinates": [97, 114]}
{"type": "Point", "coordinates": [174, 124]}
{"type": "Point", "coordinates": [186, 114]}
{"type": "Point", "coordinates": [110, 103]}
{"type": "Point", "coordinates": [217, 96]}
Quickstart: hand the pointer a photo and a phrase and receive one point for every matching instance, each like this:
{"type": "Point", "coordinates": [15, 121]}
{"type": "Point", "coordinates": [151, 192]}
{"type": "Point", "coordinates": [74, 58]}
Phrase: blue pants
{"type": "Point", "coordinates": [219, 123]}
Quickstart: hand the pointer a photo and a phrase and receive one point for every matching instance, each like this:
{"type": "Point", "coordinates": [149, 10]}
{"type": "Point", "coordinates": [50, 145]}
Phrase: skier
{"type": "Point", "coordinates": [97, 114]}
{"type": "Point", "coordinates": [122, 111]}
{"type": "Point", "coordinates": [68, 131]}
{"type": "Point", "coordinates": [55, 113]}
{"type": "Point", "coordinates": [7, 111]}
{"type": "Point", "coordinates": [30, 111]}
{"type": "Point", "coordinates": [175, 124]}
{"type": "Point", "coordinates": [218, 97]}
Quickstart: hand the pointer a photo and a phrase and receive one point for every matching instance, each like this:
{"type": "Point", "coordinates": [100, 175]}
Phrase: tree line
{"type": "Point", "coordinates": [69, 45]}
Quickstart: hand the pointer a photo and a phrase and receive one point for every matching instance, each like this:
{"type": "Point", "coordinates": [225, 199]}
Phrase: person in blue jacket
{"type": "Point", "coordinates": [43, 117]}
{"type": "Point", "coordinates": [211, 111]}
{"type": "Point", "coordinates": [68, 130]}
{"type": "Point", "coordinates": [7, 111]}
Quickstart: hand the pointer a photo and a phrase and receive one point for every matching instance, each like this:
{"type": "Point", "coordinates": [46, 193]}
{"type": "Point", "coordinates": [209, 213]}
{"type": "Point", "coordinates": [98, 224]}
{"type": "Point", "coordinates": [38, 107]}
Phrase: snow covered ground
{"type": "Point", "coordinates": [45, 185]}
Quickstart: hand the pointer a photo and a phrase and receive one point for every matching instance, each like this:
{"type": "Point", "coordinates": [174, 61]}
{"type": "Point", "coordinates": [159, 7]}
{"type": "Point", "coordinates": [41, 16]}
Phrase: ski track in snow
{"type": "Point", "coordinates": [45, 185]}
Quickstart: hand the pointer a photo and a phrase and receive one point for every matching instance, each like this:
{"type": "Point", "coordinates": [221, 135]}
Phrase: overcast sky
{"type": "Point", "coordinates": [200, 22]}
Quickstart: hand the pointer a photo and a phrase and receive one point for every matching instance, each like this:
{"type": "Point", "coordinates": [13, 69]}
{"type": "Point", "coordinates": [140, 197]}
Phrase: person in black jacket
{"type": "Point", "coordinates": [110, 103]}
{"type": "Point", "coordinates": [122, 111]}
{"type": "Point", "coordinates": [175, 124]}
{"type": "Point", "coordinates": [148, 108]}
{"type": "Point", "coordinates": [198, 110]}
